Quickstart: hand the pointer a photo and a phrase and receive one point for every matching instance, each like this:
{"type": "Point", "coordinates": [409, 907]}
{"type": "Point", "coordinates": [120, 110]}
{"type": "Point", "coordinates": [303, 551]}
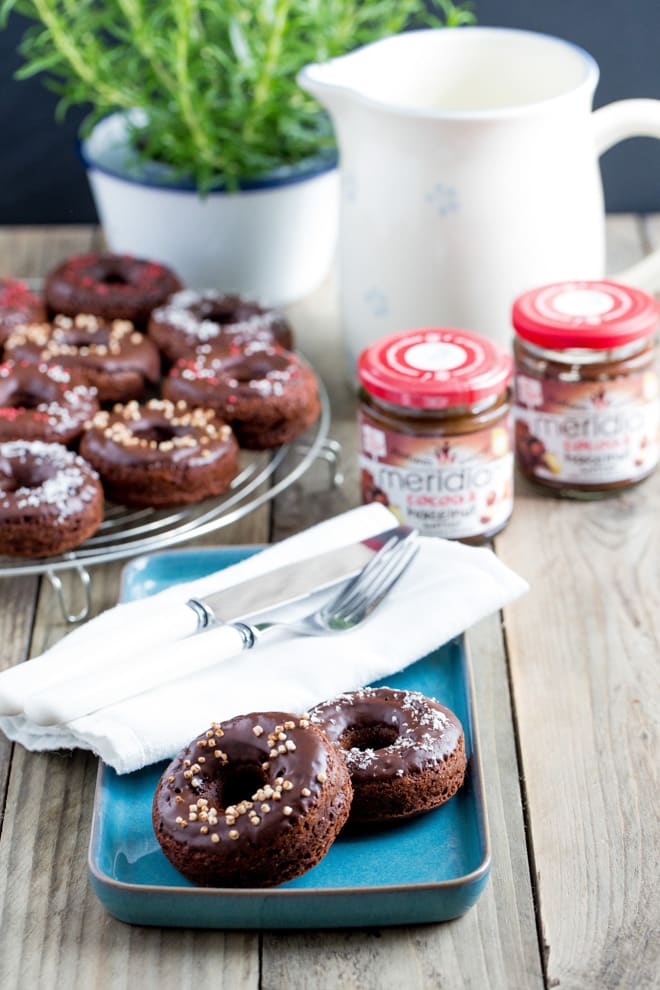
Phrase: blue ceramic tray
{"type": "Point", "coordinates": [431, 868]}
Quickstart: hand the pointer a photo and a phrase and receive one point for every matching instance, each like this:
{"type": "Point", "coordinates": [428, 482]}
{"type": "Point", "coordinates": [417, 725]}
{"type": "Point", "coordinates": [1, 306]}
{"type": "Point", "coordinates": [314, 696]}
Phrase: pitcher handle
{"type": "Point", "coordinates": [614, 123]}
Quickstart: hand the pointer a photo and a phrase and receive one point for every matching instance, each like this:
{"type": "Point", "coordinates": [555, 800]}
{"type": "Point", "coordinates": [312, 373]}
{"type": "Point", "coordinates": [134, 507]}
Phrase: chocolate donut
{"type": "Point", "coordinates": [405, 752]}
{"type": "Point", "coordinates": [211, 320]}
{"type": "Point", "coordinates": [113, 286]}
{"type": "Point", "coordinates": [18, 305]}
{"type": "Point", "coordinates": [160, 454]}
{"type": "Point", "coordinates": [252, 802]}
{"type": "Point", "coordinates": [43, 402]}
{"type": "Point", "coordinates": [115, 358]}
{"type": "Point", "coordinates": [50, 499]}
{"type": "Point", "coordinates": [267, 393]}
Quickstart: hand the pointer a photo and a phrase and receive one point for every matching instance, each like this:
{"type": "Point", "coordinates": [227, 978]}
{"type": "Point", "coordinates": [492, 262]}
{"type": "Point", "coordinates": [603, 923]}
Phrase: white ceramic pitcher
{"type": "Point", "coordinates": [470, 173]}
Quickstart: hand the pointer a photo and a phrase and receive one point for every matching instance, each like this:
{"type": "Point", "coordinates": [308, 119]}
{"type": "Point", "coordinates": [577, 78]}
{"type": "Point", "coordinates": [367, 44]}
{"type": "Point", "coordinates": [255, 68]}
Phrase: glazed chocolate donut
{"type": "Point", "coordinates": [160, 454]}
{"type": "Point", "coordinates": [115, 358]}
{"type": "Point", "coordinates": [405, 752]}
{"type": "Point", "coordinates": [43, 402]}
{"type": "Point", "coordinates": [267, 393]}
{"type": "Point", "coordinates": [211, 320]}
{"type": "Point", "coordinates": [50, 499]}
{"type": "Point", "coordinates": [113, 286]}
{"type": "Point", "coordinates": [18, 305]}
{"type": "Point", "coordinates": [252, 802]}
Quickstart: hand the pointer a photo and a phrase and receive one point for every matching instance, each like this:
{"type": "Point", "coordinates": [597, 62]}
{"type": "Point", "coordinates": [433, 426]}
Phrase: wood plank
{"type": "Point", "coordinates": [583, 647]}
{"type": "Point", "coordinates": [52, 925]}
{"type": "Point", "coordinates": [26, 252]}
{"type": "Point", "coordinates": [312, 499]}
{"type": "Point", "coordinates": [624, 242]}
{"type": "Point", "coordinates": [30, 252]}
{"type": "Point", "coordinates": [651, 233]}
{"type": "Point", "coordinates": [53, 930]}
{"type": "Point", "coordinates": [500, 931]}
{"type": "Point", "coordinates": [495, 944]}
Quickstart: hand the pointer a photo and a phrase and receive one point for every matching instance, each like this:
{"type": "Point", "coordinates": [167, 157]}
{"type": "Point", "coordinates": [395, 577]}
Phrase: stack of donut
{"type": "Point", "coordinates": [150, 386]}
{"type": "Point", "coordinates": [259, 799]}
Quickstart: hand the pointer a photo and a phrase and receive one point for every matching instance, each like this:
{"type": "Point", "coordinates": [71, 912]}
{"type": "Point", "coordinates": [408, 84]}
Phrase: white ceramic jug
{"type": "Point", "coordinates": [469, 162]}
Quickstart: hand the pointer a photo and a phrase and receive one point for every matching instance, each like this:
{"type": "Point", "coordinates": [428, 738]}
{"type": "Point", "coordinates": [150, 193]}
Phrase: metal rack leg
{"type": "Point", "coordinates": [58, 588]}
{"type": "Point", "coordinates": [329, 451]}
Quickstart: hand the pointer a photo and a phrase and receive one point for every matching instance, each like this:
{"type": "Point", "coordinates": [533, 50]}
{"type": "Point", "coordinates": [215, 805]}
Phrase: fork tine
{"type": "Point", "coordinates": [362, 581]}
{"type": "Point", "coordinates": [359, 606]}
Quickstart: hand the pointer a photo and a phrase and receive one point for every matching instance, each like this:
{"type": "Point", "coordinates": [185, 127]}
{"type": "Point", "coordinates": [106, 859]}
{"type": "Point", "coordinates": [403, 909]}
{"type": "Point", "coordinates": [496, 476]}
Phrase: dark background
{"type": "Point", "coordinates": [42, 180]}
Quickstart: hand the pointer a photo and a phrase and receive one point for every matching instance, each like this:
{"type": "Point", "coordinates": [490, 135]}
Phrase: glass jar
{"type": "Point", "coordinates": [436, 431]}
{"type": "Point", "coordinates": [587, 411]}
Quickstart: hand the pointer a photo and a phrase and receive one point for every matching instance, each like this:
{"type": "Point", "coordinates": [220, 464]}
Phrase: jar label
{"type": "Point", "coordinates": [448, 486]}
{"type": "Point", "coordinates": [588, 432]}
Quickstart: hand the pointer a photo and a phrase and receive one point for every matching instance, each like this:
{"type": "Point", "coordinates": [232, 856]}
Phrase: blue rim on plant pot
{"type": "Point", "coordinates": [271, 237]}
{"type": "Point", "coordinates": [201, 149]}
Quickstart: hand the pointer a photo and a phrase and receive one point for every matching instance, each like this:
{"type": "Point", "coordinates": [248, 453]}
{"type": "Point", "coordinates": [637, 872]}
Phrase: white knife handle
{"type": "Point", "coordinates": [85, 660]}
{"type": "Point", "coordinates": [71, 699]}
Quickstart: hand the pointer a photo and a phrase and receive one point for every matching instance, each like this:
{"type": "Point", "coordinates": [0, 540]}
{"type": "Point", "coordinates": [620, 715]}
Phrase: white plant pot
{"type": "Point", "coordinates": [274, 240]}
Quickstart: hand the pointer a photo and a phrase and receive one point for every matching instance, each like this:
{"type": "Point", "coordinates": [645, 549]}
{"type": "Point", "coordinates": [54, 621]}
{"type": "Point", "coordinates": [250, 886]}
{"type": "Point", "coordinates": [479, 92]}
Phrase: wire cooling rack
{"type": "Point", "coordinates": [126, 532]}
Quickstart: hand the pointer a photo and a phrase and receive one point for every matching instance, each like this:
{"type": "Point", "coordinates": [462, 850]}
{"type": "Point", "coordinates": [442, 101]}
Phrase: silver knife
{"type": "Point", "coordinates": [289, 583]}
{"type": "Point", "coordinates": [52, 690]}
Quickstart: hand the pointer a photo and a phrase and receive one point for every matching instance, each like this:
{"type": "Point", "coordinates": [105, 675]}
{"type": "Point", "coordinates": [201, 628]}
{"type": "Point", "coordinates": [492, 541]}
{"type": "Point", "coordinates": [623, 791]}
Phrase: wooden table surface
{"type": "Point", "coordinates": [567, 697]}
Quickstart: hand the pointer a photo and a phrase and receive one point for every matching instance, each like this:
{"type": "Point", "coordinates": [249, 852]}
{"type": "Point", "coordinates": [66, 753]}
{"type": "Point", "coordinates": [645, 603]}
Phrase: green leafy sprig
{"type": "Point", "coordinates": [214, 79]}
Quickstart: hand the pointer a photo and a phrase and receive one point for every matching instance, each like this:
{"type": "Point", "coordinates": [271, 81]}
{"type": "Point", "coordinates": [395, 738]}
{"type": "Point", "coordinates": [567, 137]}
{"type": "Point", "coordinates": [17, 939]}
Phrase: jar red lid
{"type": "Point", "coordinates": [434, 368]}
{"type": "Point", "coordinates": [592, 314]}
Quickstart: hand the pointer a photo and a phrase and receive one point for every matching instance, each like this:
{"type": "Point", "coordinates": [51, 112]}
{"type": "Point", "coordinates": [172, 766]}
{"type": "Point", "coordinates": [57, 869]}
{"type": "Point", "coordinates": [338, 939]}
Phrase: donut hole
{"type": "Point", "coordinates": [221, 314]}
{"type": "Point", "coordinates": [112, 276]}
{"type": "Point", "coordinates": [18, 475]}
{"type": "Point", "coordinates": [83, 338]}
{"type": "Point", "coordinates": [160, 432]}
{"type": "Point", "coordinates": [25, 399]}
{"type": "Point", "coordinates": [244, 373]}
{"type": "Point", "coordinates": [238, 782]}
{"type": "Point", "coordinates": [258, 366]}
{"type": "Point", "coordinates": [376, 736]}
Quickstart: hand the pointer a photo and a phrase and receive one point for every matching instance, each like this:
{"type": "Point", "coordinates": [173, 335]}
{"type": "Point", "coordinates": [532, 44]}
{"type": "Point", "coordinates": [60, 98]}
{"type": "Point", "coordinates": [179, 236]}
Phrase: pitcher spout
{"type": "Point", "coordinates": [329, 82]}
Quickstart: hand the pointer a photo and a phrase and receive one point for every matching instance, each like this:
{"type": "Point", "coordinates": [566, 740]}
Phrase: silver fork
{"type": "Point", "coordinates": [67, 701]}
{"type": "Point", "coordinates": [354, 602]}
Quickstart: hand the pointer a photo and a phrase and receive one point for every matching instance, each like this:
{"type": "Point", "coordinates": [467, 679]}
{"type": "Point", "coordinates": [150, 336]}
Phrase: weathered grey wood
{"type": "Point", "coordinates": [53, 930]}
{"type": "Point", "coordinates": [24, 252]}
{"type": "Point", "coordinates": [583, 649]}
{"type": "Point", "coordinates": [625, 242]}
{"type": "Point", "coordinates": [494, 946]}
{"type": "Point", "coordinates": [501, 929]}
{"type": "Point", "coordinates": [651, 232]}
{"type": "Point", "coordinates": [312, 499]}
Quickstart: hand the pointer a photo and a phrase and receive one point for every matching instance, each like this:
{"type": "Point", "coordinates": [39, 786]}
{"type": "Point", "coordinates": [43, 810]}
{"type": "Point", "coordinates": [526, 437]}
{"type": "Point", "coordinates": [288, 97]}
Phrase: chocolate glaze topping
{"type": "Point", "coordinates": [388, 733]}
{"type": "Point", "coordinates": [37, 477]}
{"type": "Point", "coordinates": [18, 305]}
{"type": "Point", "coordinates": [215, 319]}
{"type": "Point", "coordinates": [43, 402]}
{"type": "Point", "coordinates": [243, 781]}
{"type": "Point", "coordinates": [258, 370]}
{"type": "Point", "coordinates": [111, 284]}
{"type": "Point", "coordinates": [87, 342]}
{"type": "Point", "coordinates": [157, 431]}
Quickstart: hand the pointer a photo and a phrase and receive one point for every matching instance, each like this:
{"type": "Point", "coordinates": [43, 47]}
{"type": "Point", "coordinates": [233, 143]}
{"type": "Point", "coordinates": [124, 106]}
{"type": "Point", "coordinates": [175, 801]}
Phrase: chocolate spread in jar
{"type": "Point", "coordinates": [435, 431]}
{"type": "Point", "coordinates": [586, 384]}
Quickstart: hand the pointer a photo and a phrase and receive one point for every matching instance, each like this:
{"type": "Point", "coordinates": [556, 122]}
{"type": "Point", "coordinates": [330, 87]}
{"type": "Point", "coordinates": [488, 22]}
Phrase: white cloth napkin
{"type": "Point", "coordinates": [448, 587]}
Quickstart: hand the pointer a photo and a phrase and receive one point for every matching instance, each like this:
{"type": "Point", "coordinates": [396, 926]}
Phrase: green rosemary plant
{"type": "Point", "coordinates": [215, 80]}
